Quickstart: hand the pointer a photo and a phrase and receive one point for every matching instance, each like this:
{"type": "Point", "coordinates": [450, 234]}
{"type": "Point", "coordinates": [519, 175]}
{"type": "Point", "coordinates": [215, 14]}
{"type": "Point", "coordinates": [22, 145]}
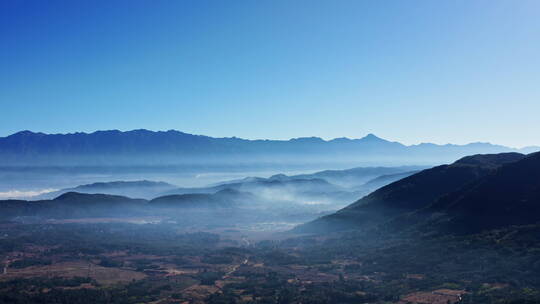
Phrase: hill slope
{"type": "Point", "coordinates": [73, 204]}
{"type": "Point", "coordinates": [508, 196]}
{"type": "Point", "coordinates": [142, 189]}
{"type": "Point", "coordinates": [412, 193]}
{"type": "Point", "coordinates": [227, 198]}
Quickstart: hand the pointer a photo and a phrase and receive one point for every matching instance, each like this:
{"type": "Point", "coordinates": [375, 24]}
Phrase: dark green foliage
{"type": "Point", "coordinates": [29, 262]}
{"type": "Point", "coordinates": [105, 262]}
{"type": "Point", "coordinates": [209, 278]}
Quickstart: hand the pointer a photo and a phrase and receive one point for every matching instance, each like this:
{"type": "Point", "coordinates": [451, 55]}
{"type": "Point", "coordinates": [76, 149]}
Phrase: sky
{"type": "Point", "coordinates": [410, 71]}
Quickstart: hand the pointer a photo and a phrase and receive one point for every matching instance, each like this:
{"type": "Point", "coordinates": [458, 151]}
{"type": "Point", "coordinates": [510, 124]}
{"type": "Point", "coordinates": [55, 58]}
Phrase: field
{"type": "Point", "coordinates": [112, 262]}
{"type": "Point", "coordinates": [102, 275]}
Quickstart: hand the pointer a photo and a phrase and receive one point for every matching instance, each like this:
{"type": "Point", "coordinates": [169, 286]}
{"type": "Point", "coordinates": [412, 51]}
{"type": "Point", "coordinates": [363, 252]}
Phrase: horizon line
{"type": "Point", "coordinates": [367, 136]}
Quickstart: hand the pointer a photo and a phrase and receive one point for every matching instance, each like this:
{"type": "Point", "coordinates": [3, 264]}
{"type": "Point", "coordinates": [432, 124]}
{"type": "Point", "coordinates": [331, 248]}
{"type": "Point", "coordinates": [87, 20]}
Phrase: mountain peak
{"type": "Point", "coordinates": [371, 137]}
{"type": "Point", "coordinates": [72, 195]}
{"type": "Point", "coordinates": [25, 133]}
{"type": "Point", "coordinates": [279, 177]}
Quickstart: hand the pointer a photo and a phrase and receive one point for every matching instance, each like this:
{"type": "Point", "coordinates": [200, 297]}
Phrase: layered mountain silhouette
{"type": "Point", "coordinates": [280, 191]}
{"type": "Point", "coordinates": [72, 205]}
{"type": "Point", "coordinates": [471, 194]}
{"type": "Point", "coordinates": [383, 180]}
{"type": "Point", "coordinates": [140, 189]}
{"type": "Point", "coordinates": [474, 194]}
{"type": "Point", "coordinates": [262, 184]}
{"type": "Point", "coordinates": [84, 205]}
{"type": "Point", "coordinates": [148, 147]}
{"type": "Point", "coordinates": [226, 198]}
{"type": "Point", "coordinates": [360, 176]}
{"type": "Point", "coordinates": [249, 192]}
{"type": "Point", "coordinates": [282, 188]}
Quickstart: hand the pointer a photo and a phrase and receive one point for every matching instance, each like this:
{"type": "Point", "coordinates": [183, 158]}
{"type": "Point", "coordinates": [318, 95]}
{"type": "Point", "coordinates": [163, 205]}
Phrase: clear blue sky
{"type": "Point", "coordinates": [411, 71]}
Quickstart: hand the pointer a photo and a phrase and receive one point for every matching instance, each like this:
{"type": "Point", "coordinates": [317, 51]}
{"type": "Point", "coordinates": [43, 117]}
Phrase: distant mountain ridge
{"type": "Point", "coordinates": [149, 147]}
{"type": "Point", "coordinates": [72, 205]}
{"type": "Point", "coordinates": [226, 198]}
{"type": "Point", "coordinates": [356, 177]}
{"type": "Point", "coordinates": [279, 188]}
{"type": "Point", "coordinates": [140, 189]}
{"type": "Point", "coordinates": [323, 187]}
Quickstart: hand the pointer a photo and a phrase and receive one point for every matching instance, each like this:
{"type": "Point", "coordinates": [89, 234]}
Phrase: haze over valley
{"type": "Point", "coordinates": [34, 163]}
{"type": "Point", "coordinates": [269, 152]}
{"type": "Point", "coordinates": [332, 232]}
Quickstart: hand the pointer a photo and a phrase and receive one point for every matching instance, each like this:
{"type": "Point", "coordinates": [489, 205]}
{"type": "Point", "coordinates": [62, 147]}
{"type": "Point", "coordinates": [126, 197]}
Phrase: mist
{"type": "Point", "coordinates": [217, 199]}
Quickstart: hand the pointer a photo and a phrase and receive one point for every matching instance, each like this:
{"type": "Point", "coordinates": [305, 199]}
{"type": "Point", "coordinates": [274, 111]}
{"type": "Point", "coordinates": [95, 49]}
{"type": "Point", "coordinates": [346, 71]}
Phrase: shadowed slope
{"type": "Point", "coordinates": [411, 193]}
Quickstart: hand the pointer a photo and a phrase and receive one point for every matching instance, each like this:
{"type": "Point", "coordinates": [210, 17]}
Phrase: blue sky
{"type": "Point", "coordinates": [411, 71]}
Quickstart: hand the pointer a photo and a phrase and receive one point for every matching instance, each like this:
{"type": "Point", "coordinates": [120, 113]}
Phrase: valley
{"type": "Point", "coordinates": [232, 243]}
{"type": "Point", "coordinates": [269, 152]}
{"type": "Point", "coordinates": [115, 262]}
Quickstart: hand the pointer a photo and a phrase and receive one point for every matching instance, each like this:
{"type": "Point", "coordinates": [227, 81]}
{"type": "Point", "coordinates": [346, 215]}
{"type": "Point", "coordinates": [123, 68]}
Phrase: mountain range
{"type": "Point", "coordinates": [473, 194]}
{"type": "Point", "coordinates": [297, 194]}
{"type": "Point", "coordinates": [329, 185]}
{"type": "Point", "coordinates": [146, 147]}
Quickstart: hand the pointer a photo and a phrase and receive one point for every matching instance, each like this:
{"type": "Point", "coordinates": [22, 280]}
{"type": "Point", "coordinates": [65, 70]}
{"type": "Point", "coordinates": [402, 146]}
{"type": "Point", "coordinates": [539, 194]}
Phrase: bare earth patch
{"type": "Point", "coordinates": [104, 275]}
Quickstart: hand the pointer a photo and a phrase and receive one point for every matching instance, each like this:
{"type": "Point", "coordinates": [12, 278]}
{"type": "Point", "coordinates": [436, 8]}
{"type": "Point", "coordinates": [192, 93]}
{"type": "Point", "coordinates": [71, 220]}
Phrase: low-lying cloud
{"type": "Point", "coordinates": [11, 194]}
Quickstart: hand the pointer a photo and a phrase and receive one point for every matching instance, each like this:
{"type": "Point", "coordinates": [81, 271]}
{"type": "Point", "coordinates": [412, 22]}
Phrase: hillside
{"type": "Point", "coordinates": [508, 196]}
{"type": "Point", "coordinates": [72, 204]}
{"type": "Point", "coordinates": [272, 183]}
{"type": "Point", "coordinates": [140, 189]}
{"type": "Point", "coordinates": [227, 198]}
{"type": "Point", "coordinates": [411, 193]}
{"type": "Point", "coordinates": [383, 180]}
